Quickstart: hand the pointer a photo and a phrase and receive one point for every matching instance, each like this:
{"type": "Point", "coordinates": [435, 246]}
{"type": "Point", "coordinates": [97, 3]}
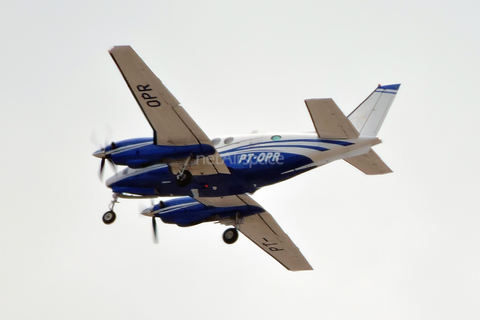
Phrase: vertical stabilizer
{"type": "Point", "coordinates": [368, 117]}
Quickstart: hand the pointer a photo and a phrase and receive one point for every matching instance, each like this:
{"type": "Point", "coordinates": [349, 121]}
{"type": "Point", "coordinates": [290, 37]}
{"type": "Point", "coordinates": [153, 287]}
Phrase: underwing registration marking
{"type": "Point", "coordinates": [151, 101]}
{"type": "Point", "coordinates": [272, 246]}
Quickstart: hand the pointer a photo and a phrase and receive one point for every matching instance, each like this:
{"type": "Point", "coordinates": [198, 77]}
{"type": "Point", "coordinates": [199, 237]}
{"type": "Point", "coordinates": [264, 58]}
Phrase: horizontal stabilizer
{"type": "Point", "coordinates": [369, 163]}
{"type": "Point", "coordinates": [330, 122]}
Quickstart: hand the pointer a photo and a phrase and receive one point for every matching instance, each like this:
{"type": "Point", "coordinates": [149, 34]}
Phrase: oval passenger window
{"type": "Point", "coordinates": [276, 138]}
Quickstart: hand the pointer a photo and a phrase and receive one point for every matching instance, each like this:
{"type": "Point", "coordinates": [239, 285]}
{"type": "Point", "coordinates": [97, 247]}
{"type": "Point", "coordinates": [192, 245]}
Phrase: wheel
{"type": "Point", "coordinates": [184, 179]}
{"type": "Point", "coordinates": [109, 217]}
{"type": "Point", "coordinates": [230, 236]}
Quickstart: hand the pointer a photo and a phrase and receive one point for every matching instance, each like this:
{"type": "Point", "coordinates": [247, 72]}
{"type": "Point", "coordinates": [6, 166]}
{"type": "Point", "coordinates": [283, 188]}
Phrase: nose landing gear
{"type": "Point", "coordinates": [110, 216]}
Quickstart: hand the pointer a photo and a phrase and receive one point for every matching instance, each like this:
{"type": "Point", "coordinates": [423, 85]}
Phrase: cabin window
{"type": "Point", "coordinates": [216, 141]}
{"type": "Point", "coordinates": [228, 140]}
{"type": "Point", "coordinates": [276, 138]}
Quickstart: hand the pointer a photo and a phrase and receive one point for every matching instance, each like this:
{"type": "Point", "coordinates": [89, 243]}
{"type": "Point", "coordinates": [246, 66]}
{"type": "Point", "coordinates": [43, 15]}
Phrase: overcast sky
{"type": "Point", "coordinates": [398, 246]}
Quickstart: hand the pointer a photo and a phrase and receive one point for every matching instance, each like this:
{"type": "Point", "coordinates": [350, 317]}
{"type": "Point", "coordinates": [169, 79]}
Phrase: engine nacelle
{"type": "Point", "coordinates": [186, 211]}
{"type": "Point", "coordinates": [140, 153]}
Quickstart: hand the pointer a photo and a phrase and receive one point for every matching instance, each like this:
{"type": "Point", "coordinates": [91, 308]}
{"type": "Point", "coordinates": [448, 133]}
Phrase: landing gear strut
{"type": "Point", "coordinates": [230, 235]}
{"type": "Point", "coordinates": [184, 177]}
{"type": "Point", "coordinates": [110, 216]}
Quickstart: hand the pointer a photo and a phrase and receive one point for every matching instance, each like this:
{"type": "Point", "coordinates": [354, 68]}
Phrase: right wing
{"type": "Point", "coordinates": [330, 122]}
{"type": "Point", "coordinates": [264, 231]}
{"type": "Point", "coordinates": [172, 125]}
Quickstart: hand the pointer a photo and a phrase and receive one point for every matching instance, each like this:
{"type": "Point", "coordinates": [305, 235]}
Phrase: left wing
{"type": "Point", "coordinates": [172, 125]}
{"type": "Point", "coordinates": [263, 230]}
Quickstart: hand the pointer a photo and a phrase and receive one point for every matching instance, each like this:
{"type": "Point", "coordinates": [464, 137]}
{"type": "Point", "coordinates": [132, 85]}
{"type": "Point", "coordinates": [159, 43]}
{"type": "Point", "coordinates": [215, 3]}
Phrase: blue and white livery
{"type": "Point", "coordinates": [212, 178]}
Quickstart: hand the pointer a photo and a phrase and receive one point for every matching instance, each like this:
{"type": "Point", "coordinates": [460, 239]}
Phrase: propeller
{"type": "Point", "coordinates": [154, 225]}
{"type": "Point", "coordinates": [150, 212]}
{"type": "Point", "coordinates": [105, 157]}
{"type": "Point", "coordinates": [102, 151]}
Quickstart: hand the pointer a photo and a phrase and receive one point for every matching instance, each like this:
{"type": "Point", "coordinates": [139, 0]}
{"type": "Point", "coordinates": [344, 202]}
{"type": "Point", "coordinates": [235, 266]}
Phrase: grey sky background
{"type": "Point", "coordinates": [399, 246]}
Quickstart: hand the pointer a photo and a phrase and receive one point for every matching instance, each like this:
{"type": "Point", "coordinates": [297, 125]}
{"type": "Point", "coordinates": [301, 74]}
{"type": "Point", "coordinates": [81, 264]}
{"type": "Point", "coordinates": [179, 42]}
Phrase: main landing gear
{"type": "Point", "coordinates": [230, 236]}
{"type": "Point", "coordinates": [184, 177]}
{"type": "Point", "coordinates": [110, 216]}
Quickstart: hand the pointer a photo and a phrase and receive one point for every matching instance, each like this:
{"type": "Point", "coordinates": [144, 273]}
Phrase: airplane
{"type": "Point", "coordinates": [211, 180]}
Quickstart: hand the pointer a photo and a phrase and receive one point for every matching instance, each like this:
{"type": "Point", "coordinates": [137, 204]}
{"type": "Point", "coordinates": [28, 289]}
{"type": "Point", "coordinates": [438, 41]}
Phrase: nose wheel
{"type": "Point", "coordinates": [230, 236]}
{"type": "Point", "coordinates": [109, 217]}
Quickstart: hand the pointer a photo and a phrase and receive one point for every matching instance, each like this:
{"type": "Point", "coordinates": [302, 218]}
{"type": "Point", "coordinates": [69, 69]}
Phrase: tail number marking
{"type": "Point", "coordinates": [263, 157]}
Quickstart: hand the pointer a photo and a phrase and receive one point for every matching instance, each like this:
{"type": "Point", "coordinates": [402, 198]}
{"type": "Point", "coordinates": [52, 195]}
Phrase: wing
{"type": "Point", "coordinates": [329, 120]}
{"type": "Point", "coordinates": [172, 125]}
{"type": "Point", "coordinates": [263, 230]}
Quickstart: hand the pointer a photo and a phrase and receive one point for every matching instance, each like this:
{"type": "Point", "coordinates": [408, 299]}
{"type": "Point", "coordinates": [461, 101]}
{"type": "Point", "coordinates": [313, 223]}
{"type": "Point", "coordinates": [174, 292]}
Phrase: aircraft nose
{"type": "Point", "coordinates": [116, 179]}
{"type": "Point", "coordinates": [99, 153]}
{"type": "Point", "coordinates": [110, 181]}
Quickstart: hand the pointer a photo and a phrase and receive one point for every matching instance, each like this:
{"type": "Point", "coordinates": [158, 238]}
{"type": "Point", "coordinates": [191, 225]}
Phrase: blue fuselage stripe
{"type": "Point", "coordinates": [277, 148]}
{"type": "Point", "coordinates": [284, 143]}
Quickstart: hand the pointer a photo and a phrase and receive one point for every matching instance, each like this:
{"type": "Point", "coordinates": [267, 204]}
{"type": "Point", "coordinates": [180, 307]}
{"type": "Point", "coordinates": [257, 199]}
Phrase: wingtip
{"type": "Point", "coordinates": [389, 87]}
{"type": "Point", "coordinates": [115, 48]}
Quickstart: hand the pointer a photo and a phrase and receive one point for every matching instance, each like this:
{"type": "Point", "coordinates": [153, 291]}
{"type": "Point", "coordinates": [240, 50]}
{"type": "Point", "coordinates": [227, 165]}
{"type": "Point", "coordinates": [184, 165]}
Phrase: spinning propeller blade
{"type": "Point", "coordinates": [150, 213]}
{"type": "Point", "coordinates": [154, 225]}
{"type": "Point", "coordinates": [100, 173]}
{"type": "Point", "coordinates": [102, 155]}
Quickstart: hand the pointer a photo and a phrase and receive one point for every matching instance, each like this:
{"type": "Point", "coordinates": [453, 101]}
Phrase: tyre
{"type": "Point", "coordinates": [185, 179]}
{"type": "Point", "coordinates": [230, 235]}
{"type": "Point", "coordinates": [109, 217]}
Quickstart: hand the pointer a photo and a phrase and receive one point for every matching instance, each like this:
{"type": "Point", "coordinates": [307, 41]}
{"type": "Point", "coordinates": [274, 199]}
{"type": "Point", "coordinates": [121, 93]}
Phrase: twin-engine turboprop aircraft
{"type": "Point", "coordinates": [213, 178]}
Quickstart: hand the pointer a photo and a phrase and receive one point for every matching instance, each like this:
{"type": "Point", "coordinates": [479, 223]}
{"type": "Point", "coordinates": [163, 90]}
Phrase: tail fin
{"type": "Point", "coordinates": [368, 117]}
